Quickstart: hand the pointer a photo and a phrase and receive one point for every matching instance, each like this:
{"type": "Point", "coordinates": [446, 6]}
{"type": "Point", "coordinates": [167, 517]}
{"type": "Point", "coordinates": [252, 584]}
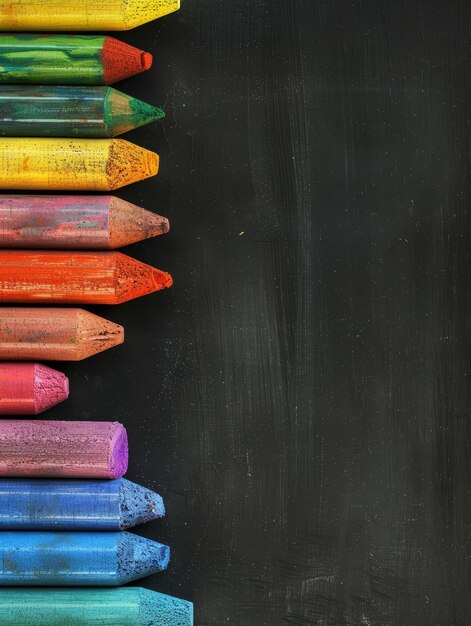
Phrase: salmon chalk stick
{"type": "Point", "coordinates": [76, 278]}
{"type": "Point", "coordinates": [75, 222]}
{"type": "Point", "coordinates": [30, 388]}
{"type": "Point", "coordinates": [54, 334]}
{"type": "Point", "coordinates": [54, 449]}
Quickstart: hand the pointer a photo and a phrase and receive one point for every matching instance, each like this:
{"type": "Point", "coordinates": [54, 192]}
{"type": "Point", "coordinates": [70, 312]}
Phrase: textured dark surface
{"type": "Point", "coordinates": [301, 396]}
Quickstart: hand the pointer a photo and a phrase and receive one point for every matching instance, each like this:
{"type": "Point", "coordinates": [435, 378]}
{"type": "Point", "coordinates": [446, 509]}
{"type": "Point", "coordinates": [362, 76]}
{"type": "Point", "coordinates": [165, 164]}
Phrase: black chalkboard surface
{"type": "Point", "coordinates": [301, 396]}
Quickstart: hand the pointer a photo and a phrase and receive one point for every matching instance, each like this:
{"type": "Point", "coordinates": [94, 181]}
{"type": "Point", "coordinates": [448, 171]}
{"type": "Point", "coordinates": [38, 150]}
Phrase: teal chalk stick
{"type": "Point", "coordinates": [80, 559]}
{"type": "Point", "coordinates": [130, 606]}
{"type": "Point", "coordinates": [52, 111]}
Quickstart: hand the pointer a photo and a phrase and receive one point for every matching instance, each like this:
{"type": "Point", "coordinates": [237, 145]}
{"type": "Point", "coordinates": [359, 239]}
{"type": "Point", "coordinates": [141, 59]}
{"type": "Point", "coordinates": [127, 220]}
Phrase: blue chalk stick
{"type": "Point", "coordinates": [37, 504]}
{"type": "Point", "coordinates": [78, 559]}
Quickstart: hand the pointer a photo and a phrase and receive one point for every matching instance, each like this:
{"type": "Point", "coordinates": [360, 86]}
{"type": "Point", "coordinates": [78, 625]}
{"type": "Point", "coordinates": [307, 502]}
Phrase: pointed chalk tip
{"type": "Point", "coordinates": [129, 163]}
{"type": "Point", "coordinates": [119, 451]}
{"type": "Point", "coordinates": [162, 280]}
{"type": "Point", "coordinates": [163, 225]}
{"type": "Point", "coordinates": [50, 388]}
{"type": "Point", "coordinates": [158, 608]}
{"type": "Point", "coordinates": [138, 505]}
{"type": "Point", "coordinates": [138, 13]}
{"type": "Point", "coordinates": [120, 60]}
{"type": "Point", "coordinates": [142, 113]}
{"type": "Point", "coordinates": [145, 225]}
{"type": "Point", "coordinates": [135, 279]}
{"type": "Point", "coordinates": [124, 113]}
{"type": "Point", "coordinates": [96, 334]}
{"type": "Point", "coordinates": [146, 61]}
{"type": "Point", "coordinates": [139, 557]}
{"type": "Point", "coordinates": [152, 163]}
{"type": "Point", "coordinates": [155, 225]}
{"type": "Point", "coordinates": [130, 223]}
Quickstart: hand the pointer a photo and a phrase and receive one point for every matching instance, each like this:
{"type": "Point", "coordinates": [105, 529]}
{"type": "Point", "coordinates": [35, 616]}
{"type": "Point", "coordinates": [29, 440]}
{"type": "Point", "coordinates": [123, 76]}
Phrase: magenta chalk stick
{"type": "Point", "coordinates": [54, 449]}
{"type": "Point", "coordinates": [30, 388]}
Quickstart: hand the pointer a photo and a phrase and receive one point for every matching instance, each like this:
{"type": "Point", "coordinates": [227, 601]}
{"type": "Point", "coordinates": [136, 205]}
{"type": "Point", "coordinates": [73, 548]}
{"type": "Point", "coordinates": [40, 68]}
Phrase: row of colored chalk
{"type": "Point", "coordinates": [66, 222]}
{"type": "Point", "coordinates": [61, 487]}
{"type": "Point", "coordinates": [70, 111]}
{"type": "Point", "coordinates": [63, 450]}
{"type": "Point", "coordinates": [66, 505]}
{"type": "Point", "coordinates": [64, 111]}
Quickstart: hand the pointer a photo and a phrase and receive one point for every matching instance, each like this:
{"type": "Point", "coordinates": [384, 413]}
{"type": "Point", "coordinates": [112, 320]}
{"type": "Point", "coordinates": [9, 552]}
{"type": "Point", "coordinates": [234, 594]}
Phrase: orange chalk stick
{"type": "Point", "coordinates": [76, 278]}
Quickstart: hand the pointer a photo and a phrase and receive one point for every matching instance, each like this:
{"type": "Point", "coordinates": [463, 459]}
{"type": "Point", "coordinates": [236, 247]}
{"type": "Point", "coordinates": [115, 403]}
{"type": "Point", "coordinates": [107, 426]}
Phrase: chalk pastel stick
{"type": "Point", "coordinates": [54, 449]}
{"type": "Point", "coordinates": [80, 222]}
{"type": "Point", "coordinates": [123, 606]}
{"type": "Point", "coordinates": [53, 334]}
{"type": "Point", "coordinates": [98, 505]}
{"type": "Point", "coordinates": [69, 59]}
{"type": "Point", "coordinates": [76, 278]}
{"type": "Point", "coordinates": [75, 15]}
{"type": "Point", "coordinates": [53, 111]}
{"type": "Point", "coordinates": [81, 559]}
{"type": "Point", "coordinates": [73, 164]}
{"type": "Point", "coordinates": [30, 388]}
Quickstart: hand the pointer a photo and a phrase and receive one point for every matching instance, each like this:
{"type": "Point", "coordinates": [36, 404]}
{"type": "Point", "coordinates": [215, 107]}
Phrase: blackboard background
{"type": "Point", "coordinates": [301, 397]}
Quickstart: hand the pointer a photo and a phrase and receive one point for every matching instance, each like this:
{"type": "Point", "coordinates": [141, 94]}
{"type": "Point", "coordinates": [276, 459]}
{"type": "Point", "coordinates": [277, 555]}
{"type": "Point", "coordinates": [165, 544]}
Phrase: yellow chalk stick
{"type": "Point", "coordinates": [73, 164]}
{"type": "Point", "coordinates": [65, 15]}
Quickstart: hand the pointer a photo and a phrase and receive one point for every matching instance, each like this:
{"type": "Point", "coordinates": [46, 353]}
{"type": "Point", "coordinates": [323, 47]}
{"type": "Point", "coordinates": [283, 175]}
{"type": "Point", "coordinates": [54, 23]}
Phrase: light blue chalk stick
{"type": "Point", "coordinates": [77, 559]}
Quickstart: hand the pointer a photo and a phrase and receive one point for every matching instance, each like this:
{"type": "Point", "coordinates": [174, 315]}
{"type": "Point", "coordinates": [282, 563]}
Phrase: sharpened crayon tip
{"type": "Point", "coordinates": [51, 387]}
{"type": "Point", "coordinates": [144, 113]}
{"type": "Point", "coordinates": [129, 223]}
{"type": "Point", "coordinates": [164, 225]}
{"type": "Point", "coordinates": [95, 334]}
{"type": "Point", "coordinates": [158, 608]}
{"type": "Point", "coordinates": [137, 13]}
{"type": "Point", "coordinates": [135, 279]}
{"type": "Point", "coordinates": [120, 60]}
{"type": "Point", "coordinates": [152, 163]}
{"type": "Point", "coordinates": [123, 113]}
{"type": "Point", "coordinates": [138, 505]}
{"type": "Point", "coordinates": [128, 163]}
{"type": "Point", "coordinates": [139, 557]}
{"type": "Point", "coordinates": [146, 60]}
{"type": "Point", "coordinates": [162, 280]}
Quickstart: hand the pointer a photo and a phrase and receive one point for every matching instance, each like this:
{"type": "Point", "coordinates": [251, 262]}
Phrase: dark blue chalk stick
{"type": "Point", "coordinates": [77, 559]}
{"type": "Point", "coordinates": [37, 504]}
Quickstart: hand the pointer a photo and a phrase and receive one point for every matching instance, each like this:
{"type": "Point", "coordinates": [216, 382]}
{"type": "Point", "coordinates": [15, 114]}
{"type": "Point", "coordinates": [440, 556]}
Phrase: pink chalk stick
{"type": "Point", "coordinates": [63, 449]}
{"type": "Point", "coordinates": [30, 388]}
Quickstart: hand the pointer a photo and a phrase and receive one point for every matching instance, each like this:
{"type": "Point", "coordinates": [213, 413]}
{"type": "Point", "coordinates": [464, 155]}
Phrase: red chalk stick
{"type": "Point", "coordinates": [30, 388]}
{"type": "Point", "coordinates": [76, 277]}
